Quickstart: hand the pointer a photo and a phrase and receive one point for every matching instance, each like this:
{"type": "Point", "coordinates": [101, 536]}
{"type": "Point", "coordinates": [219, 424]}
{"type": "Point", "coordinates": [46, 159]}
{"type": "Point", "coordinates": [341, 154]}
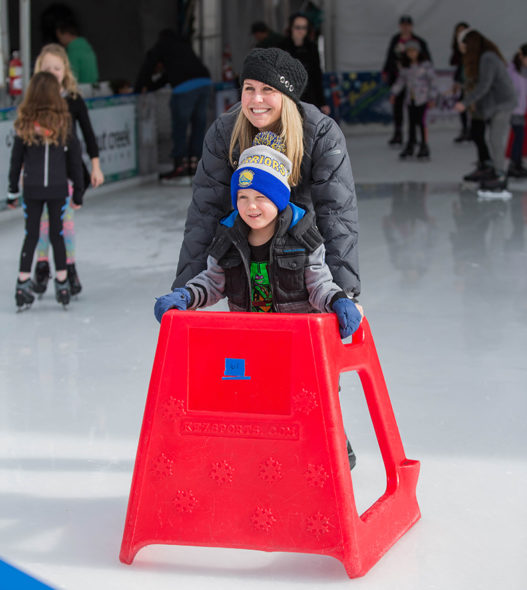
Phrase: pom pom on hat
{"type": "Point", "coordinates": [277, 68]}
{"type": "Point", "coordinates": [265, 168]}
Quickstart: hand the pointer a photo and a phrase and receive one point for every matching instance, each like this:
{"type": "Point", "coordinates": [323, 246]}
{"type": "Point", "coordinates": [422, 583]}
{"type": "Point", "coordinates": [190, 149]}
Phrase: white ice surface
{"type": "Point", "coordinates": [447, 302]}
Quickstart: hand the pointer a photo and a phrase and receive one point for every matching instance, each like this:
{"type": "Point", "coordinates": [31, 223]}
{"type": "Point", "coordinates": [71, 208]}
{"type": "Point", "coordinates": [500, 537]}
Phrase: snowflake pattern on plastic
{"type": "Point", "coordinates": [270, 470]}
{"type": "Point", "coordinates": [316, 475]}
{"type": "Point", "coordinates": [317, 524]}
{"type": "Point", "coordinates": [163, 466]}
{"type": "Point", "coordinates": [263, 519]}
{"type": "Point", "coordinates": [185, 501]}
{"type": "Point", "coordinates": [305, 401]}
{"type": "Point", "coordinates": [173, 408]}
{"type": "Point", "coordinates": [221, 472]}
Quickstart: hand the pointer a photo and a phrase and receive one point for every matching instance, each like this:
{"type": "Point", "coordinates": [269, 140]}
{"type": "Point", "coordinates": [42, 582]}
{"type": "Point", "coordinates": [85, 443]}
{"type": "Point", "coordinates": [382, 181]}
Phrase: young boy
{"type": "Point", "coordinates": [267, 255]}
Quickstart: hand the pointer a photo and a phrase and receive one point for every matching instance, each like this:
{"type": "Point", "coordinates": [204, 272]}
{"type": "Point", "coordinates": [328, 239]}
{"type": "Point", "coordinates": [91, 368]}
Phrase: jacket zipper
{"type": "Point", "coordinates": [46, 165]}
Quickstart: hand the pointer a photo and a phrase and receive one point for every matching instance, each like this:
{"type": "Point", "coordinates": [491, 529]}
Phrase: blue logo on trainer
{"type": "Point", "coordinates": [234, 370]}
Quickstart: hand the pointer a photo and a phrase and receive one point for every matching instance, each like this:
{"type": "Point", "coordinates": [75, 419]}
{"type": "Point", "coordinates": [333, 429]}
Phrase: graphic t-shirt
{"type": "Point", "coordinates": [261, 294]}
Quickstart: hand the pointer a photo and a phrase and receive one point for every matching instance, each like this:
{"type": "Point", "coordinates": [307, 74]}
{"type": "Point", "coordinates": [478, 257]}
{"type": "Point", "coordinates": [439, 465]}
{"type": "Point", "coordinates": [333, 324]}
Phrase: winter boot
{"type": "Point", "coordinates": [62, 292]}
{"type": "Point", "coordinates": [24, 294]}
{"type": "Point", "coordinates": [517, 170]}
{"type": "Point", "coordinates": [424, 152]}
{"type": "Point", "coordinates": [407, 152]}
{"type": "Point", "coordinates": [179, 175]}
{"type": "Point", "coordinates": [41, 278]}
{"type": "Point", "coordinates": [352, 459]}
{"type": "Point", "coordinates": [73, 278]}
{"type": "Point", "coordinates": [482, 172]}
{"type": "Point", "coordinates": [397, 138]}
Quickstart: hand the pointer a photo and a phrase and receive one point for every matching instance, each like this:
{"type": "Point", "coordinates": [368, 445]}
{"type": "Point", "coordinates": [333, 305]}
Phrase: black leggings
{"type": "Point", "coordinates": [416, 118]}
{"type": "Point", "coordinates": [477, 134]}
{"type": "Point", "coordinates": [32, 213]}
{"type": "Point", "coordinates": [398, 107]}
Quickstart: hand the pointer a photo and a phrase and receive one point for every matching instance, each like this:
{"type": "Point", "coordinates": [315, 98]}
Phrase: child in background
{"type": "Point", "coordinates": [54, 59]}
{"type": "Point", "coordinates": [267, 255]}
{"type": "Point", "coordinates": [518, 74]}
{"type": "Point", "coordinates": [418, 77]}
{"type": "Point", "coordinates": [50, 154]}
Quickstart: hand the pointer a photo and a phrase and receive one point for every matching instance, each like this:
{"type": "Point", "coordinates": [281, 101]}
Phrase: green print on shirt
{"type": "Point", "coordinates": [261, 294]}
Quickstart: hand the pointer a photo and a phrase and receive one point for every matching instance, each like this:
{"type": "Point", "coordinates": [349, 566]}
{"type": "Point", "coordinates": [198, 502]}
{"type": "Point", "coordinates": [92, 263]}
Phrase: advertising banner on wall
{"type": "Point", "coordinates": [114, 123]}
{"type": "Point", "coordinates": [362, 97]}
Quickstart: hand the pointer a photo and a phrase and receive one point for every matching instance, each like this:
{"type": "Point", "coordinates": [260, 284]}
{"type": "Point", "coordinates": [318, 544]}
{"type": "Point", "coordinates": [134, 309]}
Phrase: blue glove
{"type": "Point", "coordinates": [178, 299]}
{"type": "Point", "coordinates": [348, 315]}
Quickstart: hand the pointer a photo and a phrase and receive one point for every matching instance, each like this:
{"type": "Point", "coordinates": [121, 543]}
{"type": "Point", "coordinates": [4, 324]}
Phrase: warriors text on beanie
{"type": "Point", "coordinates": [277, 68]}
{"type": "Point", "coordinates": [265, 168]}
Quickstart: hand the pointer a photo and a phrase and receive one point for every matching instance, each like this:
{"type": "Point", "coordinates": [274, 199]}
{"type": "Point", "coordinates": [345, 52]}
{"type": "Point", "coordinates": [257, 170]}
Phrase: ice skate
{"type": "Point", "coordinates": [41, 278]}
{"type": "Point", "coordinates": [73, 278]}
{"type": "Point", "coordinates": [62, 292]}
{"type": "Point", "coordinates": [408, 151]}
{"type": "Point", "coordinates": [424, 152]}
{"type": "Point", "coordinates": [179, 176]}
{"type": "Point", "coordinates": [482, 172]}
{"type": "Point", "coordinates": [24, 294]}
{"type": "Point", "coordinates": [494, 189]}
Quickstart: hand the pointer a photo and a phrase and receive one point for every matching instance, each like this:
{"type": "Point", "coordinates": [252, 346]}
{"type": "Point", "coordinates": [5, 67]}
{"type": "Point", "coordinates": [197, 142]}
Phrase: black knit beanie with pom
{"type": "Point", "coordinates": [277, 68]}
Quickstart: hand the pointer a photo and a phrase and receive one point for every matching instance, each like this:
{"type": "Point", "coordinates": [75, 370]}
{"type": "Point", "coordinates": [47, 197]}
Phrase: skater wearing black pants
{"type": "Point", "coordinates": [392, 66]}
{"type": "Point", "coordinates": [49, 154]}
{"type": "Point", "coordinates": [490, 93]}
{"type": "Point", "coordinates": [417, 77]}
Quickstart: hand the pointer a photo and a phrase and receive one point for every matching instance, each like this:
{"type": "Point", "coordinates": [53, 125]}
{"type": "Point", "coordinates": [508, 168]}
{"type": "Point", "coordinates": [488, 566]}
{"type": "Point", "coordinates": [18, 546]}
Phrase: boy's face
{"type": "Point", "coordinates": [256, 209]}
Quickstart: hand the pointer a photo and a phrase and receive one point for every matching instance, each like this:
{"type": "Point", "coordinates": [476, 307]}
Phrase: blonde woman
{"type": "Point", "coordinates": [54, 59]}
{"type": "Point", "coordinates": [321, 179]}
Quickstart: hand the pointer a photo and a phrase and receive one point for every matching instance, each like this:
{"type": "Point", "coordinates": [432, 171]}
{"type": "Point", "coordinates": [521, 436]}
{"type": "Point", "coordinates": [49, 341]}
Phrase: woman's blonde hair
{"type": "Point", "coordinates": [69, 82]}
{"type": "Point", "coordinates": [43, 106]}
{"type": "Point", "coordinates": [290, 129]}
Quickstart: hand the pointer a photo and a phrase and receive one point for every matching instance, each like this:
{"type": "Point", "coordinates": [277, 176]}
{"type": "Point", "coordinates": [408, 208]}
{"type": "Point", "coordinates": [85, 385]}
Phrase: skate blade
{"type": "Point", "coordinates": [22, 308]}
{"type": "Point", "coordinates": [503, 195]}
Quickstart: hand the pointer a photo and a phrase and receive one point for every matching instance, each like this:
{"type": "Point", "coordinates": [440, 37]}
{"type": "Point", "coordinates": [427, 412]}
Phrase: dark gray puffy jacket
{"type": "Point", "coordinates": [326, 187]}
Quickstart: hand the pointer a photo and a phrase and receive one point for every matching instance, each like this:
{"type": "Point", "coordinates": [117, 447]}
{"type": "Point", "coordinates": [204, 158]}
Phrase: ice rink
{"type": "Point", "coordinates": [444, 287]}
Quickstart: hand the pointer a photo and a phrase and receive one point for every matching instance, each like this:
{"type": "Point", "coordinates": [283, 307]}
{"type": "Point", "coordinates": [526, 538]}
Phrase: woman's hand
{"type": "Point", "coordinates": [74, 206]}
{"type": "Point", "coordinates": [326, 109]}
{"type": "Point", "coordinates": [97, 177]}
{"type": "Point", "coordinates": [460, 107]}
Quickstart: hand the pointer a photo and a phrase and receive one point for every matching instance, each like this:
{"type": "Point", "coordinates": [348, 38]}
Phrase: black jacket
{"type": "Point", "coordinates": [178, 59]}
{"type": "Point", "coordinates": [308, 55]}
{"type": "Point", "coordinates": [47, 169]}
{"type": "Point", "coordinates": [326, 188]}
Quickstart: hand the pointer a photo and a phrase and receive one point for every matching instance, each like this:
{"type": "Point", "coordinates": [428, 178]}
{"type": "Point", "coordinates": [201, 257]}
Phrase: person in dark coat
{"type": "Point", "coordinates": [264, 36]}
{"type": "Point", "coordinates": [191, 84]}
{"type": "Point", "coordinates": [321, 177]}
{"type": "Point", "coordinates": [299, 44]}
{"type": "Point", "coordinates": [392, 65]}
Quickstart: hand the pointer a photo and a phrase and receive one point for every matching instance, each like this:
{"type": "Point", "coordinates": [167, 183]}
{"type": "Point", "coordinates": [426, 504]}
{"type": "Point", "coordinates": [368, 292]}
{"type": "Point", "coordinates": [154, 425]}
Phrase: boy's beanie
{"type": "Point", "coordinates": [265, 168]}
{"type": "Point", "coordinates": [277, 68]}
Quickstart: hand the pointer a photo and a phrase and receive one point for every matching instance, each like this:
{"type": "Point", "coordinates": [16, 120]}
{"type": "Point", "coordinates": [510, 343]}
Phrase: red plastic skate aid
{"type": "Point", "coordinates": [243, 444]}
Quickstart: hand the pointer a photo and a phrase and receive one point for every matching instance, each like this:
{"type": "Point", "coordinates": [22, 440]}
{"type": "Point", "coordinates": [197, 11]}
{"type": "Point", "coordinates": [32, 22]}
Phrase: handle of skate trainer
{"type": "Point", "coordinates": [360, 355]}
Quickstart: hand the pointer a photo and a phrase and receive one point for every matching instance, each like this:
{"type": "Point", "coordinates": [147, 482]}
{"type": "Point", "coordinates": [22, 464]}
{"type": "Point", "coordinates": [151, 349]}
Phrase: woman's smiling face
{"type": "Point", "coordinates": [261, 104]}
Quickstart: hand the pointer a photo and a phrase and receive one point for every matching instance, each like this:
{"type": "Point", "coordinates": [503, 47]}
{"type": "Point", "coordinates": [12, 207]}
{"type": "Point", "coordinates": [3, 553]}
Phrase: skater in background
{"type": "Point", "coordinates": [518, 74]}
{"type": "Point", "coordinates": [49, 153]}
{"type": "Point", "coordinates": [456, 60]}
{"type": "Point", "coordinates": [191, 90]}
{"type": "Point", "coordinates": [392, 66]}
{"type": "Point", "coordinates": [321, 177]}
{"type": "Point", "coordinates": [490, 93]}
{"type": "Point", "coordinates": [298, 43]}
{"type": "Point", "coordinates": [418, 81]}
{"type": "Point", "coordinates": [53, 59]}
